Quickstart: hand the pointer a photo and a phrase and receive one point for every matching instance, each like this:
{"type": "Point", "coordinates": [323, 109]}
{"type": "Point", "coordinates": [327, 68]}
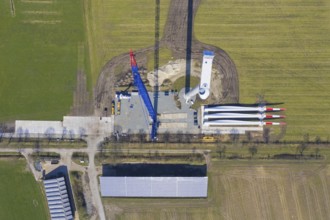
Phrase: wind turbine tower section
{"type": "Point", "coordinates": [203, 88]}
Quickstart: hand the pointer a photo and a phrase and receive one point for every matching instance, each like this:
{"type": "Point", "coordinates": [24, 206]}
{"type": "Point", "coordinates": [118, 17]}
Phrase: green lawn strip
{"type": "Point", "coordinates": [264, 151]}
{"type": "Point", "coordinates": [21, 196]}
{"type": "Point", "coordinates": [80, 158]}
{"type": "Point", "coordinates": [181, 82]}
{"type": "Point", "coordinates": [149, 157]}
{"type": "Point", "coordinates": [43, 155]}
{"type": "Point", "coordinates": [42, 144]}
{"type": "Point", "coordinates": [11, 154]}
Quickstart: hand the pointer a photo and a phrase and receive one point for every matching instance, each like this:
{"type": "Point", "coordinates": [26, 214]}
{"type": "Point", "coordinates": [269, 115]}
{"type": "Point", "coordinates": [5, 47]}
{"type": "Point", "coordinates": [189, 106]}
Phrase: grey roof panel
{"type": "Point", "coordinates": [195, 186]}
{"type": "Point", "coordinates": [164, 186]}
{"type": "Point", "coordinates": [138, 187]}
{"type": "Point", "coordinates": [119, 190]}
{"type": "Point", "coordinates": [57, 198]}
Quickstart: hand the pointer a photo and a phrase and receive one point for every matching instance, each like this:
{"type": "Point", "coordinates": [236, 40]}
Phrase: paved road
{"type": "Point", "coordinates": [92, 143]}
{"type": "Point", "coordinates": [67, 151]}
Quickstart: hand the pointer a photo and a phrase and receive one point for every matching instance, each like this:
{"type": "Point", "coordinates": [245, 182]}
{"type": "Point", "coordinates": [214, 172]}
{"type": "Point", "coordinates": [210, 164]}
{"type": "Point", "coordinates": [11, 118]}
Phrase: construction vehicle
{"type": "Point", "coordinates": [118, 107]}
{"type": "Point", "coordinates": [138, 83]}
{"type": "Point", "coordinates": [113, 107]}
{"type": "Point", "coordinates": [208, 139]}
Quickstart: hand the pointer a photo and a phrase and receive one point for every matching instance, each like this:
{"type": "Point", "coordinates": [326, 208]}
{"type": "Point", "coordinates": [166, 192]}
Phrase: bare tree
{"type": "Point", "coordinates": [1, 135]}
{"type": "Point", "coordinates": [142, 136]}
{"type": "Point", "coordinates": [301, 148]}
{"type": "Point", "coordinates": [282, 132]}
{"type": "Point", "coordinates": [156, 155]}
{"type": "Point", "coordinates": [187, 137]}
{"type": "Point", "coordinates": [10, 137]}
{"type": "Point", "coordinates": [194, 150]}
{"type": "Point", "coordinates": [317, 152]}
{"type": "Point", "coordinates": [200, 137]}
{"type": "Point", "coordinates": [266, 135]}
{"type": "Point", "coordinates": [248, 136]}
{"type": "Point", "coordinates": [253, 150]}
{"type": "Point", "coordinates": [101, 151]}
{"type": "Point", "coordinates": [221, 151]}
{"type": "Point", "coordinates": [117, 151]}
{"type": "Point", "coordinates": [166, 136]}
{"type": "Point", "coordinates": [318, 140]}
{"type": "Point", "coordinates": [179, 136]}
{"type": "Point", "coordinates": [234, 135]}
{"type": "Point", "coordinates": [82, 133]}
{"type": "Point", "coordinates": [71, 135]}
{"type": "Point", "coordinates": [129, 133]}
{"type": "Point", "coordinates": [26, 135]}
{"type": "Point", "coordinates": [224, 148]}
{"type": "Point", "coordinates": [306, 138]}
{"type": "Point", "coordinates": [49, 134]}
{"type": "Point", "coordinates": [261, 99]}
{"type": "Point", "coordinates": [19, 133]}
{"type": "Point", "coordinates": [3, 129]}
{"type": "Point", "coordinates": [64, 133]}
{"type": "Point", "coordinates": [37, 146]}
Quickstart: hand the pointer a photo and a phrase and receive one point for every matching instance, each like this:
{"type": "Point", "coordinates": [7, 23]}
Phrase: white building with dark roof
{"type": "Point", "coordinates": [154, 180]}
{"type": "Point", "coordinates": [154, 187]}
{"type": "Point", "coordinates": [57, 199]}
{"type": "Point", "coordinates": [70, 127]}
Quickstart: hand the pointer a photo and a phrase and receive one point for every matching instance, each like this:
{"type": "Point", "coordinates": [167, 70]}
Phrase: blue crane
{"type": "Point", "coordinates": [138, 83]}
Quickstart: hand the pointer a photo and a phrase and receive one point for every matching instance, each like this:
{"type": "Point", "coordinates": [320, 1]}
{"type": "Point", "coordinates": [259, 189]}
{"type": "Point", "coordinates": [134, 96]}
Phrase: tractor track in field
{"type": "Point", "coordinates": [178, 37]}
{"type": "Point", "coordinates": [326, 194]}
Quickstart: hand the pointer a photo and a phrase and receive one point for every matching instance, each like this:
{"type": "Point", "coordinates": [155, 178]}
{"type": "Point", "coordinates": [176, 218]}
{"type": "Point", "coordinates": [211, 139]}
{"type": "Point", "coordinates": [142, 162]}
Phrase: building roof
{"type": "Point", "coordinates": [57, 199]}
{"type": "Point", "coordinates": [154, 186]}
{"type": "Point", "coordinates": [38, 127]}
{"type": "Point", "coordinates": [72, 126]}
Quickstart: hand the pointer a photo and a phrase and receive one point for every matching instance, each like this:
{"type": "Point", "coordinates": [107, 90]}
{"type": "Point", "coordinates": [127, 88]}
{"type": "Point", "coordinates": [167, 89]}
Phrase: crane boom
{"type": "Point", "coordinates": [144, 94]}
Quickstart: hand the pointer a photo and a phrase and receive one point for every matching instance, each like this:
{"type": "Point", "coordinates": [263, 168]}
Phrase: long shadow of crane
{"type": "Point", "coordinates": [156, 60]}
{"type": "Point", "coordinates": [188, 44]}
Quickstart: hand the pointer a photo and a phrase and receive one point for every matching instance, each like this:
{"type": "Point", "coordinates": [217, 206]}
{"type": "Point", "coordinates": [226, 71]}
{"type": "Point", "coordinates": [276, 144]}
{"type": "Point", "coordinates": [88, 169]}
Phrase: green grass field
{"type": "Point", "coordinates": [116, 26]}
{"type": "Point", "coordinates": [42, 45]}
{"type": "Point", "coordinates": [281, 50]}
{"type": "Point", "coordinates": [21, 196]}
{"type": "Point", "coordinates": [180, 82]}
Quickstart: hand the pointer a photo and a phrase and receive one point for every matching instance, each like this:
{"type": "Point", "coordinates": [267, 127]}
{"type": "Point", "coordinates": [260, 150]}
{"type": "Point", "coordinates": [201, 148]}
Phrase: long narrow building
{"type": "Point", "coordinates": [57, 199]}
{"type": "Point", "coordinates": [154, 180]}
{"type": "Point", "coordinates": [179, 187]}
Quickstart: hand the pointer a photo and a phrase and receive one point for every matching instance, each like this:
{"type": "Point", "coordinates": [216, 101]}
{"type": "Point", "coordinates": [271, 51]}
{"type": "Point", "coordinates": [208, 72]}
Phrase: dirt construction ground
{"type": "Point", "coordinates": [243, 190]}
{"type": "Point", "coordinates": [179, 38]}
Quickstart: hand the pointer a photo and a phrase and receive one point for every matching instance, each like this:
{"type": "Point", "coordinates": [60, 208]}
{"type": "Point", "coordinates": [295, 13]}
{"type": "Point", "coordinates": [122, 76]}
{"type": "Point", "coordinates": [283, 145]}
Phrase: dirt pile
{"type": "Point", "coordinates": [172, 71]}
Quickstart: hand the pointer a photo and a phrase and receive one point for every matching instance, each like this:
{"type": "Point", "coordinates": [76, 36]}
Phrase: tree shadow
{"type": "Point", "coordinates": [156, 64]}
